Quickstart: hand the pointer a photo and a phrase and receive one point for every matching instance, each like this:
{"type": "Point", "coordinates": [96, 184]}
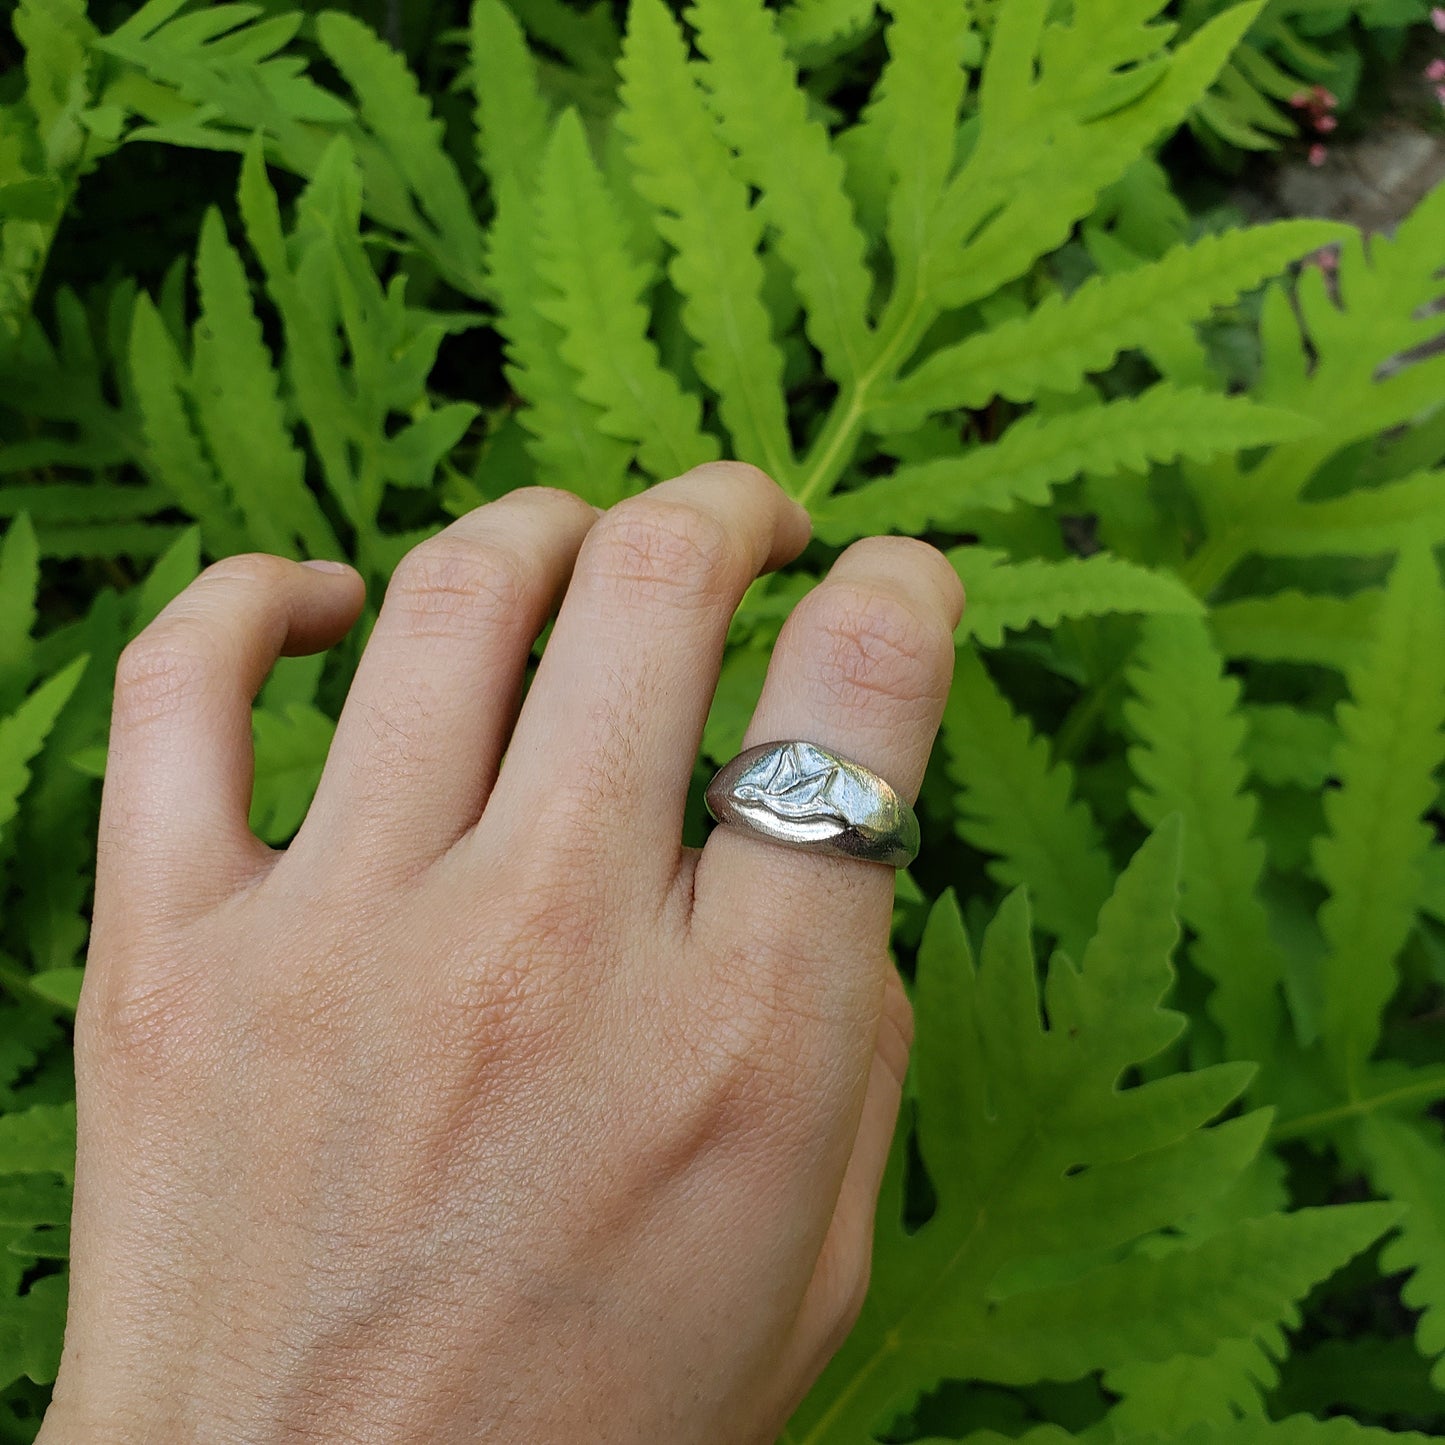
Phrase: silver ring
{"type": "Point", "coordinates": [804, 796]}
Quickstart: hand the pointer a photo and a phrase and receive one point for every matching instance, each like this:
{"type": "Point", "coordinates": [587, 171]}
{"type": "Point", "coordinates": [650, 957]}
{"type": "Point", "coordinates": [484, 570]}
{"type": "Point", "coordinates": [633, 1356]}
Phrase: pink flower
{"type": "Point", "coordinates": [1437, 18]}
{"type": "Point", "coordinates": [1325, 124]}
{"type": "Point", "coordinates": [1300, 99]}
{"type": "Point", "coordinates": [1318, 152]}
{"type": "Point", "coordinates": [1435, 71]}
{"type": "Point", "coordinates": [1325, 99]}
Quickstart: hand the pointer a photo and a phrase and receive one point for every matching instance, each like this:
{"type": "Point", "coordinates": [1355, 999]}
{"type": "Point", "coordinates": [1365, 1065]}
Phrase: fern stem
{"type": "Point", "coordinates": [1204, 571]}
{"type": "Point", "coordinates": [898, 333]}
{"type": "Point", "coordinates": [1213, 562]}
{"type": "Point", "coordinates": [1417, 1092]}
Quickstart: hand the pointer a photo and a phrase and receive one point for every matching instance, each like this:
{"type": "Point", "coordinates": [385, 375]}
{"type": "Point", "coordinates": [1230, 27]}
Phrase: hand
{"type": "Point", "coordinates": [487, 1111]}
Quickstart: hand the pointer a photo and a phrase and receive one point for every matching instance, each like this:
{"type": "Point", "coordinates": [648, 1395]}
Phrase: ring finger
{"type": "Point", "coordinates": [861, 668]}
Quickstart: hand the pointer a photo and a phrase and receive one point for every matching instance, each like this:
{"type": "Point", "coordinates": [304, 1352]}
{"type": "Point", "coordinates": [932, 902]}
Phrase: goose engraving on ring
{"type": "Point", "coordinates": [802, 795]}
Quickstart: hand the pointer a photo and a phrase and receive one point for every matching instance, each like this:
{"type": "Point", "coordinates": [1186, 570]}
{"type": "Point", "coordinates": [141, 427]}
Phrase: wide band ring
{"type": "Point", "coordinates": [804, 796]}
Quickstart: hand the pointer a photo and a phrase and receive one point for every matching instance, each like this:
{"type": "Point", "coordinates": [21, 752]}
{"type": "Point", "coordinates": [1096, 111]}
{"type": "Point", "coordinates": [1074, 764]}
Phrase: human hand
{"type": "Point", "coordinates": [486, 1111]}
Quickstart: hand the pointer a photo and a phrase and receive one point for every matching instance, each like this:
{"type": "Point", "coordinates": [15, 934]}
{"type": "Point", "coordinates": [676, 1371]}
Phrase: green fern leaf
{"type": "Point", "coordinates": [1371, 520]}
{"type": "Point", "coordinates": [597, 288]}
{"type": "Point", "coordinates": [587, 40]}
{"type": "Point", "coordinates": [1190, 761]}
{"type": "Point", "coordinates": [703, 212]}
{"type": "Point", "coordinates": [1292, 626]}
{"type": "Point", "coordinates": [19, 586]}
{"type": "Point", "coordinates": [23, 733]}
{"type": "Point", "coordinates": [1008, 596]}
{"type": "Point", "coordinates": [236, 394]}
{"type": "Point", "coordinates": [1055, 346]}
{"type": "Point", "coordinates": [1048, 150]}
{"type": "Point", "coordinates": [32, 1328]}
{"type": "Point", "coordinates": [173, 571]}
{"type": "Point", "coordinates": [1217, 1389]}
{"type": "Point", "coordinates": [1016, 1122]}
{"type": "Point", "coordinates": [1038, 452]}
{"type": "Point", "coordinates": [786, 154]}
{"type": "Point", "coordinates": [1286, 747]}
{"type": "Point", "coordinates": [400, 116]}
{"type": "Point", "coordinates": [915, 110]}
{"type": "Point", "coordinates": [812, 25]}
{"type": "Point", "coordinates": [1018, 807]}
{"type": "Point", "coordinates": [1407, 1163]}
{"type": "Point", "coordinates": [513, 120]}
{"type": "Point", "coordinates": [1301, 1430]}
{"type": "Point", "coordinates": [1366, 1374]}
{"type": "Point", "coordinates": [39, 1140]}
{"type": "Point", "coordinates": [36, 1146]}
{"type": "Point", "coordinates": [1391, 744]}
{"type": "Point", "coordinates": [291, 748]}
{"type": "Point", "coordinates": [567, 443]}
{"type": "Point", "coordinates": [1234, 1282]}
{"type": "Point", "coordinates": [174, 455]}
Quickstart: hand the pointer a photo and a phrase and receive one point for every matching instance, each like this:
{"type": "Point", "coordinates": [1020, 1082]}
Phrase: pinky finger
{"type": "Point", "coordinates": [174, 816]}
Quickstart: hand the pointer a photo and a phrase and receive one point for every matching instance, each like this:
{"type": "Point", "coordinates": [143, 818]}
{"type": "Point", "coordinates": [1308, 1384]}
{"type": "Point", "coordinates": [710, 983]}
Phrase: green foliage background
{"type": "Point", "coordinates": [265, 282]}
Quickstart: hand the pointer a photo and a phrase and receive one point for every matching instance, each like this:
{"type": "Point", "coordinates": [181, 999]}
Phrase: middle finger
{"type": "Point", "coordinates": [608, 736]}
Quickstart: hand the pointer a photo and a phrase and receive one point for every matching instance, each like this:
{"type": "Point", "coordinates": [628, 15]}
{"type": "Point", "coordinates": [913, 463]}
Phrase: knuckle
{"type": "Point", "coordinates": [442, 587]}
{"type": "Point", "coordinates": [557, 497]}
{"type": "Point", "coordinates": [653, 549]}
{"type": "Point", "coordinates": [257, 568]}
{"type": "Point", "coordinates": [138, 1025]}
{"type": "Point", "coordinates": [873, 644]}
{"type": "Point", "coordinates": [162, 669]}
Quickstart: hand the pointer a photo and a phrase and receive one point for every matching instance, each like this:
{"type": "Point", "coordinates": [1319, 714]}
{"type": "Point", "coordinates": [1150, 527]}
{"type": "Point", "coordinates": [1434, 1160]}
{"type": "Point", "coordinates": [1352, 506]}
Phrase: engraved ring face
{"type": "Point", "coordinates": [802, 795]}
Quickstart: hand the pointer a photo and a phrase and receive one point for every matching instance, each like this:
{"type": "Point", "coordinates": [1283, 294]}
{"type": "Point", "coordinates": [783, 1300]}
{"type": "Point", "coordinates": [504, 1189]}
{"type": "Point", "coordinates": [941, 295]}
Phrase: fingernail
{"type": "Point", "coordinates": [324, 564]}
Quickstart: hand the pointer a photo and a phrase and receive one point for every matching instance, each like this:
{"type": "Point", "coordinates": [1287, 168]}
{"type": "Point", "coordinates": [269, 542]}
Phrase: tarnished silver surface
{"type": "Point", "coordinates": [802, 795]}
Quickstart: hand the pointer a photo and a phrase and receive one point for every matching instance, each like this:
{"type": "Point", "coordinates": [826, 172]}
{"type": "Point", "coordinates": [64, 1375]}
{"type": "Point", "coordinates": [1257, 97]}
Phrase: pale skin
{"type": "Point", "coordinates": [486, 1110]}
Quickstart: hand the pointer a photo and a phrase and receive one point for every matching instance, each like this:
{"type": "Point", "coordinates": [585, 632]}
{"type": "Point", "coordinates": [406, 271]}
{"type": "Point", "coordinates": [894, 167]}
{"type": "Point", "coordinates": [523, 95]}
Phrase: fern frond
{"type": "Point", "coordinates": [783, 151]}
{"type": "Point", "coordinates": [1360, 523]}
{"type": "Point", "coordinates": [513, 120]}
{"type": "Point", "coordinates": [392, 105]}
{"type": "Point", "coordinates": [1017, 806]}
{"type": "Point", "coordinates": [1004, 596]}
{"type": "Point", "coordinates": [19, 587]}
{"type": "Point", "coordinates": [322, 282]}
{"type": "Point", "coordinates": [291, 748]}
{"type": "Point", "coordinates": [1236, 1283]}
{"type": "Point", "coordinates": [1364, 1374]}
{"type": "Point", "coordinates": [703, 212]}
{"type": "Point", "coordinates": [1293, 626]}
{"type": "Point", "coordinates": [1218, 1388]}
{"type": "Point", "coordinates": [915, 111]}
{"type": "Point", "coordinates": [809, 25]}
{"type": "Point", "coordinates": [23, 734]}
{"type": "Point", "coordinates": [567, 445]}
{"type": "Point", "coordinates": [1406, 1161]}
{"type": "Point", "coordinates": [1391, 744]}
{"type": "Point", "coordinates": [1299, 1430]}
{"type": "Point", "coordinates": [1286, 747]}
{"type": "Point", "coordinates": [1032, 178]}
{"type": "Point", "coordinates": [1013, 1117]}
{"type": "Point", "coordinates": [595, 300]}
{"type": "Point", "coordinates": [1190, 761]}
{"type": "Point", "coordinates": [1037, 453]}
{"type": "Point", "coordinates": [235, 390]}
{"type": "Point", "coordinates": [1056, 345]}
